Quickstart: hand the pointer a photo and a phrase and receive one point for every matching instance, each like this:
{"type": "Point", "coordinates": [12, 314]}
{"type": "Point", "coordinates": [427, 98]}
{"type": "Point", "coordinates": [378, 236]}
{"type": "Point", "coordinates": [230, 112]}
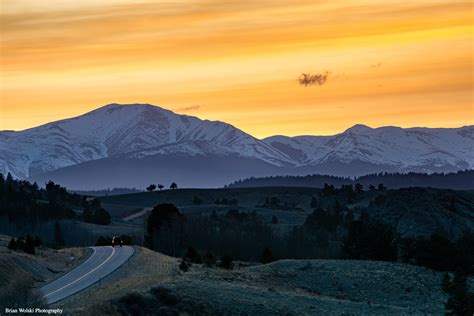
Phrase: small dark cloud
{"type": "Point", "coordinates": [377, 65]}
{"type": "Point", "coordinates": [309, 79]}
{"type": "Point", "coordinates": [188, 108]}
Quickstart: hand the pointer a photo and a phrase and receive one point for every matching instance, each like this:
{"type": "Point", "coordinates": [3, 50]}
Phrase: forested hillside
{"type": "Point", "coordinates": [461, 180]}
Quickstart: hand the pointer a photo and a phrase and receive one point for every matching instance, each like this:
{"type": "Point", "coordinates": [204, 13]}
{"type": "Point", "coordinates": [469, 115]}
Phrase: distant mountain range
{"type": "Point", "coordinates": [138, 144]}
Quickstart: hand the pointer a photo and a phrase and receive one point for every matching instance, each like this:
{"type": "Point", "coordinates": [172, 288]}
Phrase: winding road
{"type": "Point", "coordinates": [102, 262]}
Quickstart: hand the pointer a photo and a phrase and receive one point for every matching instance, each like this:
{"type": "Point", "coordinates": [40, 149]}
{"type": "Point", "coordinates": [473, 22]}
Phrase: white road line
{"type": "Point", "coordinates": [72, 271]}
{"type": "Point", "coordinates": [78, 279]}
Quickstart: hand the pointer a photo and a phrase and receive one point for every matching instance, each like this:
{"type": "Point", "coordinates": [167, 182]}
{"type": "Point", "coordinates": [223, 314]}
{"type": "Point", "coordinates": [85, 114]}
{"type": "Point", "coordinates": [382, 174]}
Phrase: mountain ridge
{"type": "Point", "coordinates": [137, 131]}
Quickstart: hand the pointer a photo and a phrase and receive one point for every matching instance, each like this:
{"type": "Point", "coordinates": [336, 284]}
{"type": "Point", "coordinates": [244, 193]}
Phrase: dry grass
{"type": "Point", "coordinates": [45, 265]}
{"type": "Point", "coordinates": [79, 253]}
{"type": "Point", "coordinates": [316, 287]}
{"type": "Point", "coordinates": [292, 287]}
{"type": "Point", "coordinates": [147, 269]}
{"type": "Point", "coordinates": [17, 288]}
{"type": "Point", "coordinates": [21, 274]}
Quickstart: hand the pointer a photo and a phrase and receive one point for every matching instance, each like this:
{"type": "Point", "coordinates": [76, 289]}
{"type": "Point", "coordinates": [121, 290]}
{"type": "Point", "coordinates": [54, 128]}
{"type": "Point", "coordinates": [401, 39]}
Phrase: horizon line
{"type": "Point", "coordinates": [361, 125]}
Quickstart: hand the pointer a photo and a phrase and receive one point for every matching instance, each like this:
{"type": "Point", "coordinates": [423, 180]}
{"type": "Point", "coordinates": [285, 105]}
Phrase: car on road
{"type": "Point", "coordinates": [117, 240]}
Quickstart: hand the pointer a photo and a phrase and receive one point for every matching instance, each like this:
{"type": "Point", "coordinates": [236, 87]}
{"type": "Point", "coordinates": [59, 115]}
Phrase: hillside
{"type": "Point", "coordinates": [422, 211]}
{"type": "Point", "coordinates": [461, 180]}
{"type": "Point", "coordinates": [21, 274]}
{"type": "Point", "coordinates": [289, 287]}
{"type": "Point", "coordinates": [411, 211]}
{"type": "Point", "coordinates": [293, 210]}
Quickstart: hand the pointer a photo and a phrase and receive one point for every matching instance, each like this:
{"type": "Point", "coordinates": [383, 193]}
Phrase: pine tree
{"type": "Point", "coordinates": [314, 202]}
{"type": "Point", "coordinates": [20, 243]}
{"type": "Point", "coordinates": [29, 245]}
{"type": "Point", "coordinates": [226, 262]}
{"type": "Point", "coordinates": [184, 265]}
{"type": "Point", "coordinates": [446, 283]}
{"type": "Point", "coordinates": [88, 215]}
{"type": "Point", "coordinates": [101, 217]}
{"type": "Point", "coordinates": [193, 256]}
{"type": "Point", "coordinates": [37, 241]}
{"type": "Point", "coordinates": [267, 256]}
{"type": "Point", "coordinates": [58, 235]}
{"type": "Point", "coordinates": [274, 220]}
{"type": "Point", "coordinates": [460, 301]}
{"type": "Point", "coordinates": [12, 245]}
{"type": "Point", "coordinates": [103, 241]}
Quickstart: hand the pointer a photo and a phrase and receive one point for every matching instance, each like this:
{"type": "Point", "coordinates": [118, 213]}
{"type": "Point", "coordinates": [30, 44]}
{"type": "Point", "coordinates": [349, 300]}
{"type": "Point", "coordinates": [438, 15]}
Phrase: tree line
{"type": "Point", "coordinates": [460, 180]}
{"type": "Point", "coordinates": [330, 232]}
{"type": "Point", "coordinates": [27, 207]}
{"type": "Point", "coordinates": [27, 245]}
{"type": "Point", "coordinates": [22, 201]}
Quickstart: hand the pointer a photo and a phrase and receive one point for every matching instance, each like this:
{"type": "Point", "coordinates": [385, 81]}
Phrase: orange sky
{"type": "Point", "coordinates": [391, 62]}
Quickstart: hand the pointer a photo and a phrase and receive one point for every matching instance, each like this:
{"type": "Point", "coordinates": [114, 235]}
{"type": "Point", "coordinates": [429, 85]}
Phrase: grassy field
{"type": "Point", "coordinates": [318, 287]}
{"type": "Point", "coordinates": [296, 198]}
{"type": "Point", "coordinates": [145, 270]}
{"type": "Point", "coordinates": [293, 208]}
{"type": "Point", "coordinates": [286, 287]}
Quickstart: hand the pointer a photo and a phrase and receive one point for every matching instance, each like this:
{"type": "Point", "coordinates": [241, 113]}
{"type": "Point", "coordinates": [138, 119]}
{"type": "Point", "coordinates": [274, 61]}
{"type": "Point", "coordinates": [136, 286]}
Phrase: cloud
{"type": "Point", "coordinates": [188, 108]}
{"type": "Point", "coordinates": [308, 79]}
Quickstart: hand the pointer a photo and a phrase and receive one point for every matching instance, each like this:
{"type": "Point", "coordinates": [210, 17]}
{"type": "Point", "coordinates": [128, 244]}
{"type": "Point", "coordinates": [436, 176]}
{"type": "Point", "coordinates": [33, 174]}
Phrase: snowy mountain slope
{"type": "Point", "coordinates": [122, 136]}
{"type": "Point", "coordinates": [117, 130]}
{"type": "Point", "coordinates": [420, 149]}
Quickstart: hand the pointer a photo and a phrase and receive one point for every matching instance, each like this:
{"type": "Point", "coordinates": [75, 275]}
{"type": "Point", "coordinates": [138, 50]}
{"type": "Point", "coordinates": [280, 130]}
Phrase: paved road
{"type": "Point", "coordinates": [103, 261]}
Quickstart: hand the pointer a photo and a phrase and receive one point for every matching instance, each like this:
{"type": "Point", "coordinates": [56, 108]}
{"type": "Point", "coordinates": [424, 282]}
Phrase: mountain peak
{"type": "Point", "coordinates": [128, 109]}
{"type": "Point", "coordinates": [140, 133]}
{"type": "Point", "coordinates": [113, 106]}
{"type": "Point", "coordinates": [358, 128]}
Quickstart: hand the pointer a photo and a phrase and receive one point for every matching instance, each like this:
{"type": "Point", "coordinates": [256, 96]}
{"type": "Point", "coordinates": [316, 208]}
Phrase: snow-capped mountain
{"type": "Point", "coordinates": [115, 130]}
{"type": "Point", "coordinates": [138, 144]}
{"type": "Point", "coordinates": [394, 148]}
{"type": "Point", "coordinates": [411, 149]}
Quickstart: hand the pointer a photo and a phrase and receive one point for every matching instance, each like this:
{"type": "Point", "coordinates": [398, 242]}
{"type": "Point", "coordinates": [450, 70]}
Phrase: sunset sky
{"type": "Point", "coordinates": [391, 62]}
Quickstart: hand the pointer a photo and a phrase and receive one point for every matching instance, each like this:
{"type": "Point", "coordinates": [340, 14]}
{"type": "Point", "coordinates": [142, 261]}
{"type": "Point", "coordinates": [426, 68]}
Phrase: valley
{"type": "Point", "coordinates": [255, 250]}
